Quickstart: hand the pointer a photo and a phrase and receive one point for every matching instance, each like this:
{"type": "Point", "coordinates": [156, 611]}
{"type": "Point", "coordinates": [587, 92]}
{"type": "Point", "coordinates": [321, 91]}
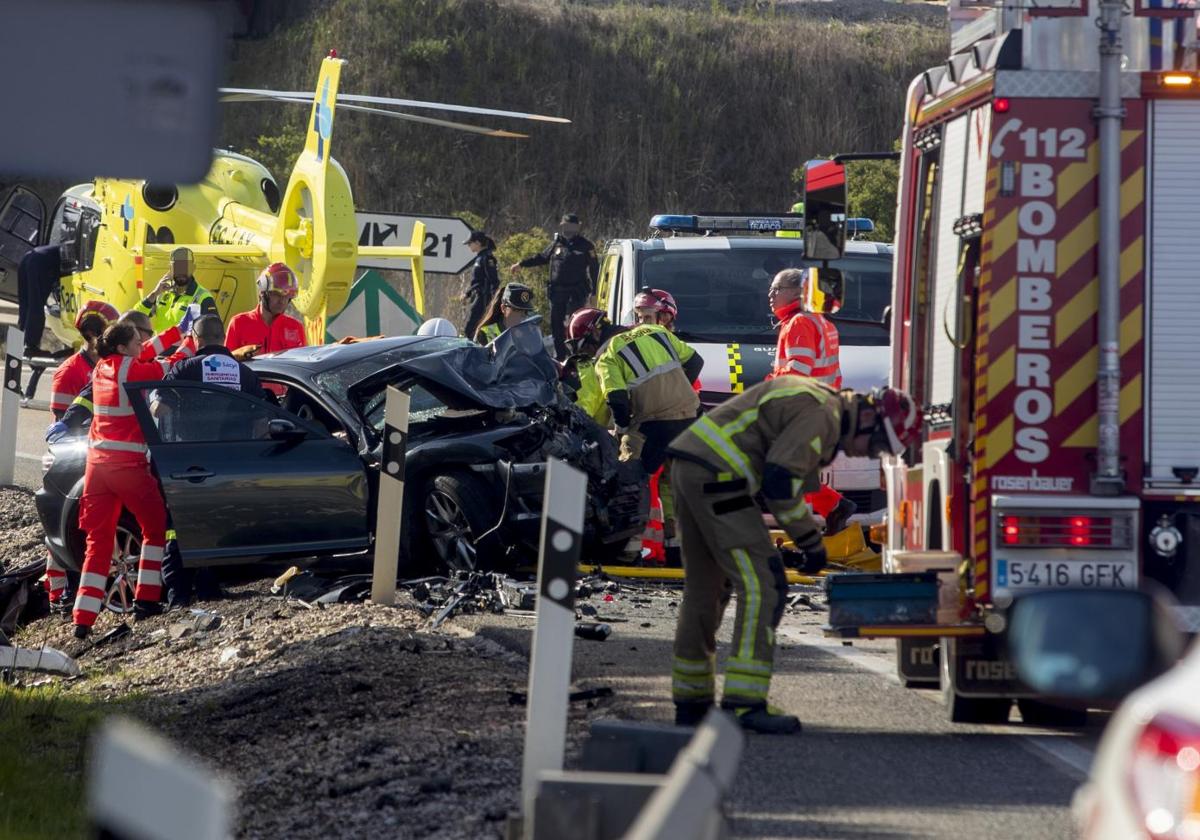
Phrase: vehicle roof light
{"type": "Point", "coordinates": [718, 222]}
{"type": "Point", "coordinates": [741, 222]}
{"type": "Point", "coordinates": [1177, 80]}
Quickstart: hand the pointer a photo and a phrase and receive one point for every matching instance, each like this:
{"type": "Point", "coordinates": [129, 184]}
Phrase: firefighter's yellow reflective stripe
{"type": "Point", "coordinates": [666, 367]}
{"type": "Point", "coordinates": [85, 403]}
{"type": "Point", "coordinates": [792, 514]}
{"type": "Point", "coordinates": [171, 534]}
{"type": "Point", "coordinates": [685, 691]}
{"type": "Point", "coordinates": [816, 444]}
{"type": "Point", "coordinates": [745, 688]}
{"type": "Point", "coordinates": [736, 384]}
{"type": "Point", "coordinates": [753, 605]}
{"type": "Point", "coordinates": [749, 666]}
{"type": "Point", "coordinates": [693, 666]}
{"type": "Point", "coordinates": [711, 434]}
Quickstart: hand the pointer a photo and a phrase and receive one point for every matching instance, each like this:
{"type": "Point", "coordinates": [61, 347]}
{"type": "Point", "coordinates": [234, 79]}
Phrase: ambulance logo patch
{"type": "Point", "coordinates": [221, 370]}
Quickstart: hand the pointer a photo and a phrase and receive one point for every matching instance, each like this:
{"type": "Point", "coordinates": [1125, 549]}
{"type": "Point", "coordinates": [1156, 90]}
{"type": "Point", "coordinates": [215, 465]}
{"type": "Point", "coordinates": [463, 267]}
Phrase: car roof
{"type": "Point", "coordinates": [728, 243]}
{"type": "Point", "coordinates": [314, 360]}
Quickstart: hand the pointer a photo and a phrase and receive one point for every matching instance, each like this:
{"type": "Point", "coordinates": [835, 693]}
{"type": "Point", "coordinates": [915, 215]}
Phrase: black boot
{"type": "Point", "coordinates": [145, 609]}
{"type": "Point", "coordinates": [764, 719]}
{"type": "Point", "coordinates": [81, 631]}
{"type": "Point", "coordinates": [836, 521]}
{"type": "Point", "coordinates": [691, 713]}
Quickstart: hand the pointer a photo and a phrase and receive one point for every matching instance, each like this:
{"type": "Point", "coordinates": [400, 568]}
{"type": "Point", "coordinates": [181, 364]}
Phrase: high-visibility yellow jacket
{"type": "Point", "coordinates": [776, 436]}
{"type": "Point", "coordinates": [590, 397]}
{"type": "Point", "coordinates": [168, 309]}
{"type": "Point", "coordinates": [646, 374]}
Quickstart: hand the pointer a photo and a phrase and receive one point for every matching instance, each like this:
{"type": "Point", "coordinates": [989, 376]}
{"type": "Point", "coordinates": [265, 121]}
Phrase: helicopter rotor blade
{"type": "Point", "coordinates": [237, 94]}
{"type": "Point", "coordinates": [399, 115]}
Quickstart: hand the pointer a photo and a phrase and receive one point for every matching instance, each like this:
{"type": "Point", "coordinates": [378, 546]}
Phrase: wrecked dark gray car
{"type": "Point", "coordinates": [247, 480]}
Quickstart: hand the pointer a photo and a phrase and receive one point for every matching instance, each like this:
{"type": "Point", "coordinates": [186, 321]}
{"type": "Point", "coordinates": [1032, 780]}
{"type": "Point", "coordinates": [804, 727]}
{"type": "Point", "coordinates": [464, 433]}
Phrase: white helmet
{"type": "Point", "coordinates": [437, 326]}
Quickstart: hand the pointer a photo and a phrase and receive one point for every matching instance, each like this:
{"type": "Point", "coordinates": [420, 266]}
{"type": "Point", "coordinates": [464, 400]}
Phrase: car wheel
{"type": "Point", "coordinates": [458, 518]}
{"type": "Point", "coordinates": [122, 577]}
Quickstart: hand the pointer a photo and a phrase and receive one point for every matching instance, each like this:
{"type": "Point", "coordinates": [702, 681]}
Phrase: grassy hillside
{"type": "Point", "coordinates": [673, 108]}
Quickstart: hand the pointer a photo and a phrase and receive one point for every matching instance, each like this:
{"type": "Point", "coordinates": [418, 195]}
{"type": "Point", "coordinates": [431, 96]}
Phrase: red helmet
{"type": "Point", "coordinates": [583, 322]}
{"type": "Point", "coordinates": [277, 277]}
{"type": "Point", "coordinates": [94, 309]}
{"type": "Point", "coordinates": [656, 299]}
{"type": "Point", "coordinates": [899, 416]}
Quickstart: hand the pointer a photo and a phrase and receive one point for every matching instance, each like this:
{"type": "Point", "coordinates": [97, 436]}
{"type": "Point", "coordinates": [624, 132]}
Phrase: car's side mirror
{"type": "Point", "coordinates": [285, 430]}
{"type": "Point", "coordinates": [1091, 644]}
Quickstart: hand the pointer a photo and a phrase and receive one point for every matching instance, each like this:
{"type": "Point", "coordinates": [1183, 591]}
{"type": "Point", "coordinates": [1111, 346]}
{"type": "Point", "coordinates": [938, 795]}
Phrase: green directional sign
{"type": "Point", "coordinates": [374, 308]}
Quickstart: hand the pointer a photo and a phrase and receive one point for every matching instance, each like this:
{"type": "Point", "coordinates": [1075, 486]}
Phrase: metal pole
{"type": "Point", "coordinates": [1109, 479]}
{"type": "Point", "coordinates": [10, 403]}
{"type": "Point", "coordinates": [553, 635]}
{"type": "Point", "coordinates": [391, 496]}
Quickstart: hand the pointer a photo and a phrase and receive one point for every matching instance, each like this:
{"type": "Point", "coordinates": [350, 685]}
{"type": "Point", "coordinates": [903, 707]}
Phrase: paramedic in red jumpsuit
{"type": "Point", "coordinates": [118, 475]}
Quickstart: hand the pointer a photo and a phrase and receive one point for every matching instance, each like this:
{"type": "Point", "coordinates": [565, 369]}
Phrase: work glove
{"type": "Point", "coordinates": [245, 352]}
{"type": "Point", "coordinates": [55, 431]}
{"type": "Point", "coordinates": [189, 317]}
{"type": "Point", "coordinates": [809, 561]}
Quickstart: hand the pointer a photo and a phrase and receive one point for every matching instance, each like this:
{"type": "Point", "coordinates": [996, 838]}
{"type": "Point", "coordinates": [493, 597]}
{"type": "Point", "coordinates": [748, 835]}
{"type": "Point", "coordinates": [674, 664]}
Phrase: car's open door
{"type": "Point", "coordinates": [22, 216]}
{"type": "Point", "coordinates": [243, 478]}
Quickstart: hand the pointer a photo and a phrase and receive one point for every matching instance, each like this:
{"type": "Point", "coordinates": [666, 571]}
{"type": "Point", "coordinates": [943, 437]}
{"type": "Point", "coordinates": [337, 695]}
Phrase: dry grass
{"type": "Point", "coordinates": [673, 108]}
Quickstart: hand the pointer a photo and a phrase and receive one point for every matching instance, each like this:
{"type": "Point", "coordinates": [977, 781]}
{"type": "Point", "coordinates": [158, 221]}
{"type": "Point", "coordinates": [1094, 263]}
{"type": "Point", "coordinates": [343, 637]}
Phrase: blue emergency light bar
{"type": "Point", "coordinates": [755, 223]}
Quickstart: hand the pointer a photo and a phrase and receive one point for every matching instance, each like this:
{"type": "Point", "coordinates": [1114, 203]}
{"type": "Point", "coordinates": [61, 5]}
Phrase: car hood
{"type": "Point", "coordinates": [514, 371]}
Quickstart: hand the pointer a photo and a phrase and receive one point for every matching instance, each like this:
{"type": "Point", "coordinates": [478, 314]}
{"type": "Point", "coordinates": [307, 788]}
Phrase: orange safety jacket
{"type": "Point", "coordinates": [115, 436]}
{"type": "Point", "coordinates": [71, 377]}
{"type": "Point", "coordinates": [808, 346]}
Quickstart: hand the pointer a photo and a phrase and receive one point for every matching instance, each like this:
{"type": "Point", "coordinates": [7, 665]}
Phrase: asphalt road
{"type": "Point", "coordinates": [875, 760]}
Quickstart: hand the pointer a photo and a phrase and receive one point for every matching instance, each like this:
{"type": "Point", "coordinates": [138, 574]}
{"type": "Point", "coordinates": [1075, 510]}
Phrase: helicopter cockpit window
{"type": "Point", "coordinates": [64, 231]}
{"type": "Point", "coordinates": [89, 230]}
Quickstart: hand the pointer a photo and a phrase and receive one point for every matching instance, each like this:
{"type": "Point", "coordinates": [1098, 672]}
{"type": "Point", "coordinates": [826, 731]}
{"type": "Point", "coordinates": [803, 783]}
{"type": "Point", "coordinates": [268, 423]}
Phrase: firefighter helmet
{"type": "Point", "coordinates": [94, 309]}
{"type": "Point", "coordinates": [583, 322]}
{"type": "Point", "coordinates": [277, 277]}
{"type": "Point", "coordinates": [823, 289]}
{"type": "Point", "coordinates": [656, 299]}
{"type": "Point", "coordinates": [898, 416]}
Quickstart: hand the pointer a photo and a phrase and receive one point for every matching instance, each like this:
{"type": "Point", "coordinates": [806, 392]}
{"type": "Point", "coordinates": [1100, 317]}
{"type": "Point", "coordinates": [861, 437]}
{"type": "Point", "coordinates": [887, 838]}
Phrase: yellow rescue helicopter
{"type": "Point", "coordinates": [117, 235]}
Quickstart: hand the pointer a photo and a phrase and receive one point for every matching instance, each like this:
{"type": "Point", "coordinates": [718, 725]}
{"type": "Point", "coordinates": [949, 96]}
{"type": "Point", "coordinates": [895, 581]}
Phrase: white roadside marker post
{"type": "Point", "coordinates": [177, 797]}
{"type": "Point", "coordinates": [553, 635]}
{"type": "Point", "coordinates": [10, 403]}
{"type": "Point", "coordinates": [391, 496]}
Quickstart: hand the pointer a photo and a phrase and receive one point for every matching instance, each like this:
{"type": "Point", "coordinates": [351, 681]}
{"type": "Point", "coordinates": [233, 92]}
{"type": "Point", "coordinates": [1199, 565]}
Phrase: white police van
{"type": "Point", "coordinates": [718, 268]}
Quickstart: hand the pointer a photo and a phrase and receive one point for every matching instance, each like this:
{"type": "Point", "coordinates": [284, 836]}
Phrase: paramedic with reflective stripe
{"type": "Point", "coordinates": [74, 374]}
{"type": "Point", "coordinates": [808, 346]}
{"type": "Point", "coordinates": [118, 475]}
{"type": "Point", "coordinates": [773, 438]}
{"type": "Point", "coordinates": [646, 375]}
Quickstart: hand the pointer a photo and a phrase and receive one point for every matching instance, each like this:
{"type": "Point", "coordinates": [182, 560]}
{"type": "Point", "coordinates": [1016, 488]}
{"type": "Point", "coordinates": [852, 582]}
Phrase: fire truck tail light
{"type": "Point", "coordinates": [1177, 80]}
{"type": "Point", "coordinates": [1164, 773]}
{"type": "Point", "coordinates": [1030, 530]}
{"type": "Point", "coordinates": [1001, 105]}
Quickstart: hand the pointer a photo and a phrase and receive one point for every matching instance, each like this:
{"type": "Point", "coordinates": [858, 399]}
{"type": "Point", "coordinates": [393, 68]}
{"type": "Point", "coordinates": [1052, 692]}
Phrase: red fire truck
{"type": "Point", "coordinates": [1046, 312]}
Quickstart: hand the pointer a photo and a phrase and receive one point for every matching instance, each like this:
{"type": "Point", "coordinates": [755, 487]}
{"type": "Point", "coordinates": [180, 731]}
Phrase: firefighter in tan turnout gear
{"type": "Point", "coordinates": [775, 437]}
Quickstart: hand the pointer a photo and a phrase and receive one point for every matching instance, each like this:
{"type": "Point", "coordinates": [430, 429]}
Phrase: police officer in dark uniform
{"type": "Point", "coordinates": [573, 272]}
{"type": "Point", "coordinates": [485, 279]}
